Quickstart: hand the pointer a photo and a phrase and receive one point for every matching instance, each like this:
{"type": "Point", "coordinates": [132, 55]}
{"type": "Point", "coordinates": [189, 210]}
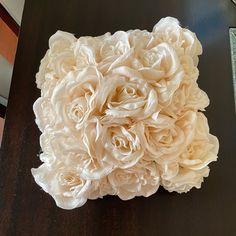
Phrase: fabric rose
{"type": "Point", "coordinates": [160, 65]}
{"type": "Point", "coordinates": [140, 180]}
{"type": "Point", "coordinates": [193, 162]}
{"type": "Point", "coordinates": [183, 40]}
{"type": "Point", "coordinates": [127, 95]}
{"type": "Point", "coordinates": [115, 51]}
{"type": "Point", "coordinates": [184, 180]}
{"type": "Point", "coordinates": [101, 188]}
{"type": "Point", "coordinates": [84, 150]}
{"type": "Point", "coordinates": [87, 50]}
{"type": "Point", "coordinates": [45, 113]}
{"type": "Point", "coordinates": [59, 59]}
{"type": "Point", "coordinates": [72, 101]}
{"type": "Point", "coordinates": [188, 97]}
{"type": "Point", "coordinates": [164, 138]}
{"type": "Point", "coordinates": [139, 40]}
{"type": "Point", "coordinates": [123, 145]}
{"type": "Point", "coordinates": [119, 115]}
{"type": "Point", "coordinates": [158, 62]}
{"type": "Point", "coordinates": [67, 188]}
{"type": "Point", "coordinates": [203, 149]}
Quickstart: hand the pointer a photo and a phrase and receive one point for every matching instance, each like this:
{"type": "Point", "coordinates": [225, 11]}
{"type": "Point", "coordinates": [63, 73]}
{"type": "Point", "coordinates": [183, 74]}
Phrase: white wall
{"type": "Point", "coordinates": [1, 129]}
{"type": "Point", "coordinates": [5, 77]}
{"type": "Point", "coordinates": [14, 8]}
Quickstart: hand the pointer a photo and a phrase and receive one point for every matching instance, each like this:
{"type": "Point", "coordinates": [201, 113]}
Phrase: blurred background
{"type": "Point", "coordinates": [10, 21]}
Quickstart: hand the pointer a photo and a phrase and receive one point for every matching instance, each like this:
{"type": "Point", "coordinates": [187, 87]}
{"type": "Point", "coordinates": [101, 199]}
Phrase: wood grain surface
{"type": "Point", "coordinates": [27, 210]}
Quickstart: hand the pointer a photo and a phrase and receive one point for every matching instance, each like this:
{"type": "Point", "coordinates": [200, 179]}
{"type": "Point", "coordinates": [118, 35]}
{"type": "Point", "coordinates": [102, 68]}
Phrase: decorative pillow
{"type": "Point", "coordinates": [120, 114]}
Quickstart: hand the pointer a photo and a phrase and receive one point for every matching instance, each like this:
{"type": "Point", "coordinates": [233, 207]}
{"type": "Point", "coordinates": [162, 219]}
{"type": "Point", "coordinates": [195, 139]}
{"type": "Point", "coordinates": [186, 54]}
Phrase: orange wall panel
{"type": "Point", "coordinates": [8, 42]}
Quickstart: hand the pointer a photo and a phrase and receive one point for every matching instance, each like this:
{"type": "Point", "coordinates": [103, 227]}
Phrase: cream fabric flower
{"type": "Point", "coordinates": [59, 59]}
{"type": "Point", "coordinates": [188, 97]}
{"type": "Point", "coordinates": [84, 150]}
{"type": "Point", "coordinates": [183, 40]}
{"type": "Point", "coordinates": [193, 162]}
{"type": "Point", "coordinates": [140, 180]}
{"type": "Point", "coordinates": [123, 145]}
{"type": "Point", "coordinates": [45, 113]}
{"type": "Point", "coordinates": [101, 187]}
{"type": "Point", "coordinates": [115, 51]}
{"type": "Point", "coordinates": [119, 115]}
{"type": "Point", "coordinates": [158, 62]}
{"type": "Point", "coordinates": [67, 188]}
{"type": "Point", "coordinates": [185, 180]}
{"type": "Point", "coordinates": [165, 138]}
{"type": "Point", "coordinates": [127, 95]}
{"type": "Point", "coordinates": [71, 102]}
{"type": "Point", "coordinates": [203, 149]}
{"type": "Point", "coordinates": [87, 50]}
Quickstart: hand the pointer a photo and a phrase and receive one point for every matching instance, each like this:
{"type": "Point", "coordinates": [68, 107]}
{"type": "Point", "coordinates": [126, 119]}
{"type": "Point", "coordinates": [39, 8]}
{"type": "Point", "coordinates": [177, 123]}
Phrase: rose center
{"type": "Point", "coordinates": [130, 91]}
{"type": "Point", "coordinates": [69, 179]}
{"type": "Point", "coordinates": [77, 109]}
{"type": "Point", "coordinates": [119, 142]}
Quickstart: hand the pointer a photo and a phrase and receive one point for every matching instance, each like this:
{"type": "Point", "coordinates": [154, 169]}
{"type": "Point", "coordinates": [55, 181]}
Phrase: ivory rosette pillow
{"type": "Point", "coordinates": [121, 114]}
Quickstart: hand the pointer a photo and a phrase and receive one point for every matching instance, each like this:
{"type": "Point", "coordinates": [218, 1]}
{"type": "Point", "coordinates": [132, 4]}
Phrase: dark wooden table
{"type": "Point", "coordinates": [27, 210]}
